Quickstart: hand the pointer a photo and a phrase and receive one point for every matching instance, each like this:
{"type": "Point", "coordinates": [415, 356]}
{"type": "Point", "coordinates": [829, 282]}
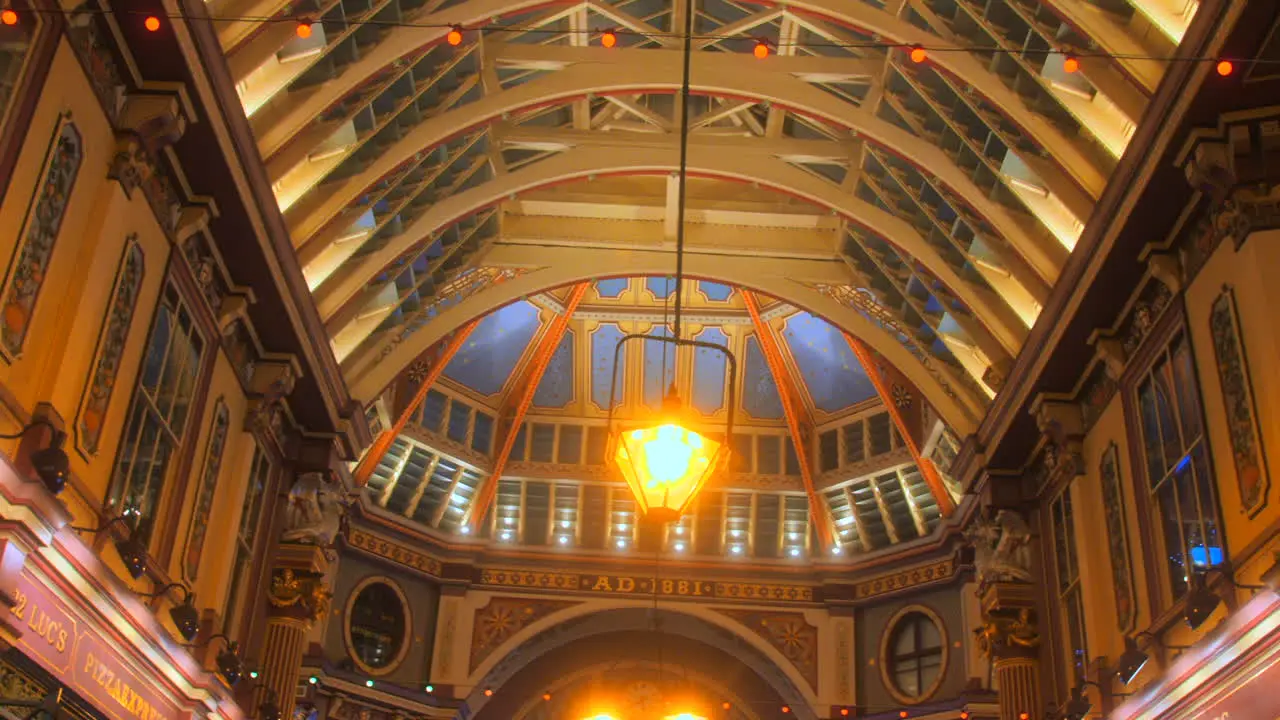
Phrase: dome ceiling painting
{"type": "Point", "coordinates": [917, 212]}
{"type": "Point", "coordinates": [552, 354]}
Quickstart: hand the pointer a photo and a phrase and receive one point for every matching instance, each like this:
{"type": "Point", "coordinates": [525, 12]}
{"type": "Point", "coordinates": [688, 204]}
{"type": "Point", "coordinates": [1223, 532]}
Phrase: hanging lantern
{"type": "Point", "coordinates": [665, 462]}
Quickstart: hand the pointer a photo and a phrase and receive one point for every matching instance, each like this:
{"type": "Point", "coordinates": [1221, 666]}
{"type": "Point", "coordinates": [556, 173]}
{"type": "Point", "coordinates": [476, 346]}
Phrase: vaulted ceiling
{"type": "Point", "coordinates": [927, 208]}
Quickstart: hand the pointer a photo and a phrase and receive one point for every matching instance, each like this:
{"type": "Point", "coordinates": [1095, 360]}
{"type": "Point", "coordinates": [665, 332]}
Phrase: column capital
{"type": "Point", "coordinates": [1010, 627]}
{"type": "Point", "coordinates": [298, 589]}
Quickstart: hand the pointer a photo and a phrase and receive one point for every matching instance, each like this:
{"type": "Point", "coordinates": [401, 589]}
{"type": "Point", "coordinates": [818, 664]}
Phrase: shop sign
{"type": "Point", "coordinates": [1255, 699]}
{"type": "Point", "coordinates": [81, 658]}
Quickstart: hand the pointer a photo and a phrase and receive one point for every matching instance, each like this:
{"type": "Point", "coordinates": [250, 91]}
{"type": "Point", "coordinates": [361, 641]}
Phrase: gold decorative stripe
{"type": "Point", "coordinates": [395, 553]}
{"type": "Point", "coordinates": [632, 585]}
{"type": "Point", "coordinates": [901, 580]}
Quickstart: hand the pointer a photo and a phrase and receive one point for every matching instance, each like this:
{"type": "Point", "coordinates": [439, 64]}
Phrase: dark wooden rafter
{"type": "Point", "coordinates": [437, 358]}
{"type": "Point", "coordinates": [799, 423]}
{"type": "Point", "coordinates": [516, 403]}
{"type": "Point", "coordinates": [930, 472]}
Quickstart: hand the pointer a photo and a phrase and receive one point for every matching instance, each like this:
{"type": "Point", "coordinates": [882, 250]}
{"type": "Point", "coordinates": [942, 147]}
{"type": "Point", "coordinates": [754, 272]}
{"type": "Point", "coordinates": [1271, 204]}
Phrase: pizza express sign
{"type": "Point", "coordinates": [80, 657]}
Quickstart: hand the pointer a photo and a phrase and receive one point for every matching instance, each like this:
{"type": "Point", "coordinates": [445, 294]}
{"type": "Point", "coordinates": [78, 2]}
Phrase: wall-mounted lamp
{"type": "Point", "coordinates": [1201, 601]}
{"type": "Point", "coordinates": [230, 666]}
{"type": "Point", "coordinates": [1134, 658]}
{"type": "Point", "coordinates": [50, 463]}
{"type": "Point", "coordinates": [132, 552]}
{"type": "Point", "coordinates": [184, 615]}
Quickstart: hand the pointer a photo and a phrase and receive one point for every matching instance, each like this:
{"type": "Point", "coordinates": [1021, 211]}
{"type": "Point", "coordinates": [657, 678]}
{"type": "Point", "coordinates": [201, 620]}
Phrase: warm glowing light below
{"type": "Point", "coordinates": [152, 23]}
{"type": "Point", "coordinates": [668, 455]}
{"type": "Point", "coordinates": [454, 37]}
{"type": "Point", "coordinates": [609, 39]}
{"type": "Point", "coordinates": [1070, 65]}
{"type": "Point", "coordinates": [665, 466]}
{"type": "Point", "coordinates": [9, 17]}
{"type": "Point", "coordinates": [1225, 67]}
{"type": "Point", "coordinates": [761, 50]}
{"type": "Point", "coordinates": [918, 55]}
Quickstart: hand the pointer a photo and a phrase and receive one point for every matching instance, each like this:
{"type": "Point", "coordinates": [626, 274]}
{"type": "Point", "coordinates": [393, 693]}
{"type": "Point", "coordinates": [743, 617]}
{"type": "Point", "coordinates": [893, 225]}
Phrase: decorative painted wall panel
{"type": "Point", "coordinates": [1237, 396]}
{"type": "Point", "coordinates": [502, 618]}
{"type": "Point", "coordinates": [204, 492]}
{"type": "Point", "coordinates": [111, 342]}
{"type": "Point", "coordinates": [760, 396]}
{"type": "Point", "coordinates": [709, 370]}
{"type": "Point", "coordinates": [555, 389]}
{"type": "Point", "coordinates": [789, 633]}
{"type": "Point", "coordinates": [27, 270]}
{"type": "Point", "coordinates": [658, 356]}
{"type": "Point", "coordinates": [604, 340]}
{"type": "Point", "coordinates": [612, 288]}
{"type": "Point", "coordinates": [715, 292]}
{"type": "Point", "coordinates": [489, 356]}
{"type": "Point", "coordinates": [1117, 539]}
{"type": "Point", "coordinates": [831, 373]}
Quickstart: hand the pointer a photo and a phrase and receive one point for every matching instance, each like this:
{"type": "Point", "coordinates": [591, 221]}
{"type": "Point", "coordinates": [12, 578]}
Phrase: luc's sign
{"type": "Point", "coordinates": [81, 657]}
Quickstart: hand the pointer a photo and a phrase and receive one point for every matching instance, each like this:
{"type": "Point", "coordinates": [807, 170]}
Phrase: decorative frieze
{"type": "Point", "coordinates": [629, 585]}
{"type": "Point", "coordinates": [111, 343]}
{"type": "Point", "coordinates": [1118, 538]}
{"type": "Point", "coordinates": [905, 579]}
{"type": "Point", "coordinates": [204, 491]}
{"type": "Point", "coordinates": [1237, 397]}
{"type": "Point", "coordinates": [304, 595]}
{"type": "Point", "coordinates": [394, 552]}
{"type": "Point", "coordinates": [27, 270]}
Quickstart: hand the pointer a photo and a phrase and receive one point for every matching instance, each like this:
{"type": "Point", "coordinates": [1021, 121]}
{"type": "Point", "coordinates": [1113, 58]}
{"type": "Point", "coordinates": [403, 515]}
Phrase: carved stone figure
{"type": "Point", "coordinates": [1002, 548]}
{"type": "Point", "coordinates": [1001, 632]}
{"type": "Point", "coordinates": [314, 515]}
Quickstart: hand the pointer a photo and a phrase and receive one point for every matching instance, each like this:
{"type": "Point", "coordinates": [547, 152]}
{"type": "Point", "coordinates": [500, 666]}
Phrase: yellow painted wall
{"type": "Point", "coordinates": [1251, 273]}
{"type": "Point", "coordinates": [1250, 541]}
{"type": "Point", "coordinates": [59, 352]}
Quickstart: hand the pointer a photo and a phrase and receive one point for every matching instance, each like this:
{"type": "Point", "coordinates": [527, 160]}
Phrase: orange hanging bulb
{"type": "Point", "coordinates": [1226, 67]}
{"type": "Point", "coordinates": [609, 38]}
{"type": "Point", "coordinates": [454, 37]}
{"type": "Point", "coordinates": [918, 54]}
{"type": "Point", "coordinates": [8, 16]}
{"type": "Point", "coordinates": [761, 50]}
{"type": "Point", "coordinates": [152, 23]}
{"type": "Point", "coordinates": [1070, 64]}
{"type": "Point", "coordinates": [304, 29]}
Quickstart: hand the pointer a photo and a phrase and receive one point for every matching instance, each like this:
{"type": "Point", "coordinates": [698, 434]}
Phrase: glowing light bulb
{"type": "Point", "coordinates": [8, 17]}
{"type": "Point", "coordinates": [609, 38]}
{"type": "Point", "coordinates": [669, 453]}
{"type": "Point", "coordinates": [368, 683]}
{"type": "Point", "coordinates": [836, 550]}
{"type": "Point", "coordinates": [1070, 64]}
{"type": "Point", "coordinates": [564, 540]}
{"type": "Point", "coordinates": [795, 552]}
{"type": "Point", "coordinates": [761, 50]}
{"type": "Point", "coordinates": [679, 547]}
{"type": "Point", "coordinates": [918, 55]}
{"type": "Point", "coordinates": [565, 524]}
{"type": "Point", "coordinates": [152, 23]}
{"type": "Point", "coordinates": [454, 37]}
{"type": "Point", "coordinates": [304, 29]}
{"type": "Point", "coordinates": [1225, 67]}
{"type": "Point", "coordinates": [622, 544]}
{"type": "Point", "coordinates": [736, 549]}
{"type": "Point", "coordinates": [465, 529]}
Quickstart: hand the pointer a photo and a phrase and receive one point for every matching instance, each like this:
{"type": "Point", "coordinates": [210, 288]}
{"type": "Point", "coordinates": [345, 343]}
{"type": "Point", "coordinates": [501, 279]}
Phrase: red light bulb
{"type": "Point", "coordinates": [918, 54]}
{"type": "Point", "coordinates": [152, 23]}
{"type": "Point", "coordinates": [609, 38]}
{"type": "Point", "coordinates": [454, 37]}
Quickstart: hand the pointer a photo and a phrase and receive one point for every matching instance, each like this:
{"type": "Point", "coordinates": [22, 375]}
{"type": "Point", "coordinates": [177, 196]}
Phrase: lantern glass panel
{"type": "Point", "coordinates": [665, 466]}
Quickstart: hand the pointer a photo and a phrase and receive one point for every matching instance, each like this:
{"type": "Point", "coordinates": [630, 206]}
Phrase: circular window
{"type": "Point", "coordinates": [377, 625]}
{"type": "Point", "coordinates": [913, 655]}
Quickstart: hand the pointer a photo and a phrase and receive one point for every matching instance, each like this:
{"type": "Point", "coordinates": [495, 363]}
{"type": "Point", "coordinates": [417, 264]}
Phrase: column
{"type": "Point", "coordinates": [1010, 636]}
{"type": "Point", "coordinates": [298, 597]}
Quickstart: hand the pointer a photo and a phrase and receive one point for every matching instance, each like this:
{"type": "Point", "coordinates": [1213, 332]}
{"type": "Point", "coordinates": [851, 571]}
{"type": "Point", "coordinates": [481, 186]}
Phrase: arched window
{"type": "Point", "coordinates": [914, 656]}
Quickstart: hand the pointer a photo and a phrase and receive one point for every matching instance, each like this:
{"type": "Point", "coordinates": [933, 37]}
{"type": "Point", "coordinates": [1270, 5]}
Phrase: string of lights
{"type": "Point", "coordinates": [762, 48]}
